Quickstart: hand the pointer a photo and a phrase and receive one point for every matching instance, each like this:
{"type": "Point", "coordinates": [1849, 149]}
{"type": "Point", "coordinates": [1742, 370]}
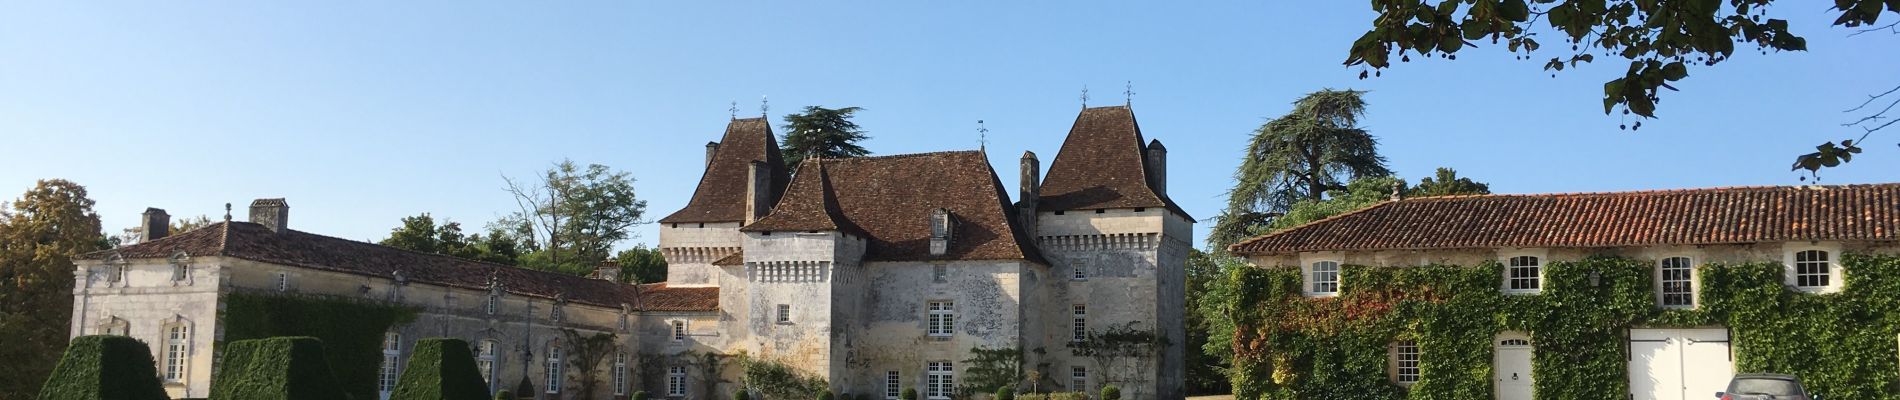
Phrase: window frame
{"type": "Point", "coordinates": [1314, 283]}
{"type": "Point", "coordinates": [1792, 264]}
{"type": "Point", "coordinates": [676, 381]}
{"type": "Point", "coordinates": [283, 281]}
{"type": "Point", "coordinates": [1078, 270]}
{"type": "Point", "coordinates": [620, 373]}
{"type": "Point", "coordinates": [1687, 267]}
{"type": "Point", "coordinates": [177, 362]}
{"type": "Point", "coordinates": [939, 273]}
{"type": "Point", "coordinates": [679, 328]}
{"type": "Point", "coordinates": [487, 354]}
{"type": "Point", "coordinates": [893, 384]}
{"type": "Point", "coordinates": [1078, 323]}
{"type": "Point", "coordinates": [553, 373]}
{"type": "Point", "coordinates": [783, 314]}
{"type": "Point", "coordinates": [1403, 367]}
{"type": "Point", "coordinates": [940, 382]}
{"type": "Point", "coordinates": [940, 322]}
{"type": "Point", "coordinates": [390, 371]}
{"type": "Point", "coordinates": [1079, 378]}
{"type": "Point", "coordinates": [1536, 278]}
{"type": "Point", "coordinates": [494, 303]}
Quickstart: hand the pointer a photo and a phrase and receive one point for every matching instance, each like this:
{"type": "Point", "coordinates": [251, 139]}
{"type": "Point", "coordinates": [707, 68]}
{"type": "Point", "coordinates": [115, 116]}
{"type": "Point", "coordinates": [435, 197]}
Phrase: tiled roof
{"type": "Point", "coordinates": [722, 190]}
{"type": "Point", "coordinates": [1662, 217]}
{"type": "Point", "coordinates": [660, 297]}
{"type": "Point", "coordinates": [735, 259]}
{"type": "Point", "coordinates": [888, 201]}
{"type": "Point", "coordinates": [1102, 164]}
{"type": "Point", "coordinates": [254, 242]}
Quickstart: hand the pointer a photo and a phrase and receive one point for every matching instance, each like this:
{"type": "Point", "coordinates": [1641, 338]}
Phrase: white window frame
{"type": "Point", "coordinates": [177, 363]}
{"type": "Point", "coordinates": [485, 359]}
{"type": "Point", "coordinates": [1536, 280]}
{"type": "Point", "coordinates": [283, 281]}
{"type": "Point", "coordinates": [1323, 283]}
{"type": "Point", "coordinates": [784, 314]}
{"type": "Point", "coordinates": [391, 369]}
{"type": "Point", "coordinates": [939, 273]}
{"type": "Point", "coordinates": [553, 369]}
{"type": "Point", "coordinates": [1406, 356]}
{"type": "Point", "coordinates": [941, 380]}
{"type": "Point", "coordinates": [624, 324]}
{"type": "Point", "coordinates": [941, 318]}
{"type": "Point", "coordinates": [1079, 270]}
{"type": "Point", "coordinates": [1079, 322]}
{"type": "Point", "coordinates": [494, 303]}
{"type": "Point", "coordinates": [676, 381]}
{"type": "Point", "coordinates": [1792, 262]}
{"type": "Point", "coordinates": [620, 373]}
{"type": "Point", "coordinates": [1079, 378]}
{"type": "Point", "coordinates": [679, 328]}
{"type": "Point", "coordinates": [1664, 267]}
{"type": "Point", "coordinates": [893, 384]}
{"type": "Point", "coordinates": [556, 313]}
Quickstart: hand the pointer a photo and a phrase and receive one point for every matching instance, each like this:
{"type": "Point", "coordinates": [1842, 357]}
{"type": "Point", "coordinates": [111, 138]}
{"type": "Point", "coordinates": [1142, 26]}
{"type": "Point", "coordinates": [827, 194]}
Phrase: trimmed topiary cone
{"type": "Point", "coordinates": [104, 368]}
{"type": "Point", "coordinates": [279, 368]}
{"type": "Point", "coordinates": [504, 395]}
{"type": "Point", "coordinates": [440, 369]}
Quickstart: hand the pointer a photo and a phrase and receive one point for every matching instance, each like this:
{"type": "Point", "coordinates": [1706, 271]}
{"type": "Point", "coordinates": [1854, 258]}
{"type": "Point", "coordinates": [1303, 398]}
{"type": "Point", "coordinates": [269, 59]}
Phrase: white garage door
{"type": "Point", "coordinates": [1679, 364]}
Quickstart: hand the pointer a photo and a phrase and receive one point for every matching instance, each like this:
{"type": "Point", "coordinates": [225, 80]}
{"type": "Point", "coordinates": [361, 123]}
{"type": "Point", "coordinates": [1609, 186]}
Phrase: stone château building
{"type": "Point", "coordinates": [877, 274]}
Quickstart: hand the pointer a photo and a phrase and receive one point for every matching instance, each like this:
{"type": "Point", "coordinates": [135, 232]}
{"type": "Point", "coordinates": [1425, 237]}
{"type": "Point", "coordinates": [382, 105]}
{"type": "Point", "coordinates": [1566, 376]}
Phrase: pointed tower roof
{"type": "Point", "coordinates": [1102, 164]}
{"type": "Point", "coordinates": [722, 190]}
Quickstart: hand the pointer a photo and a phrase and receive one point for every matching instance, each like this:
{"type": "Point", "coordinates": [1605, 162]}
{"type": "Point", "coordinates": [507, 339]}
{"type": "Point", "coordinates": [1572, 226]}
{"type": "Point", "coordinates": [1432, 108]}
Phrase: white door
{"type": "Point", "coordinates": [1679, 364]}
{"type": "Point", "coordinates": [1512, 365]}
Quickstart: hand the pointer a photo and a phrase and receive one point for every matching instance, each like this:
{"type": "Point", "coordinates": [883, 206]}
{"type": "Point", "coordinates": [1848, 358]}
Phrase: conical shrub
{"type": "Point", "coordinates": [440, 369]}
{"type": "Point", "coordinates": [279, 368]}
{"type": "Point", "coordinates": [104, 368]}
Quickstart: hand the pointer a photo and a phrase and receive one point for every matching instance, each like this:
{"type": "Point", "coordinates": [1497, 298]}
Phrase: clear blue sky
{"type": "Point", "coordinates": [361, 112]}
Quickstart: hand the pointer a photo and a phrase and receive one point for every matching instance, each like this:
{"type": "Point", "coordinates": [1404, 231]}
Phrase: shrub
{"type": "Point", "coordinates": [639, 395]}
{"type": "Point", "coordinates": [1032, 396]}
{"type": "Point", "coordinates": [288, 368]}
{"type": "Point", "coordinates": [1003, 393]}
{"type": "Point", "coordinates": [504, 395]}
{"type": "Point", "coordinates": [908, 394]}
{"type": "Point", "coordinates": [1110, 392]}
{"type": "Point", "coordinates": [440, 369]}
{"type": "Point", "coordinates": [741, 395]}
{"type": "Point", "coordinates": [825, 395]}
{"type": "Point", "coordinates": [1069, 396]}
{"type": "Point", "coordinates": [104, 368]}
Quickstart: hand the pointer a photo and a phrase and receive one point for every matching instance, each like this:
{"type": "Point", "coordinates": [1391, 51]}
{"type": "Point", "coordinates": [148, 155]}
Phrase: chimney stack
{"type": "Point", "coordinates": [941, 228]}
{"type": "Point", "coordinates": [758, 190]}
{"type": "Point", "coordinates": [1158, 167]}
{"type": "Point", "coordinates": [608, 270]}
{"type": "Point", "coordinates": [711, 149]}
{"type": "Point", "coordinates": [155, 225]}
{"type": "Point", "coordinates": [271, 213]}
{"type": "Point", "coordinates": [1031, 190]}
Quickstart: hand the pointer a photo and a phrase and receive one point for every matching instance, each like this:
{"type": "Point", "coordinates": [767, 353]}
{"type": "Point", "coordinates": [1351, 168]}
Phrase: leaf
{"type": "Point", "coordinates": [1675, 71]}
{"type": "Point", "coordinates": [1514, 10]}
{"type": "Point", "coordinates": [1450, 44]}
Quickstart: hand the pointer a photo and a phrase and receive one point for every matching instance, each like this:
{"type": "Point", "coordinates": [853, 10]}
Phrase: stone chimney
{"type": "Point", "coordinates": [154, 225]}
{"type": "Point", "coordinates": [711, 149]}
{"type": "Point", "coordinates": [271, 213]}
{"type": "Point", "coordinates": [1031, 189]}
{"type": "Point", "coordinates": [1158, 167]}
{"type": "Point", "coordinates": [608, 270]}
{"type": "Point", "coordinates": [758, 191]}
{"type": "Point", "coordinates": [942, 226]}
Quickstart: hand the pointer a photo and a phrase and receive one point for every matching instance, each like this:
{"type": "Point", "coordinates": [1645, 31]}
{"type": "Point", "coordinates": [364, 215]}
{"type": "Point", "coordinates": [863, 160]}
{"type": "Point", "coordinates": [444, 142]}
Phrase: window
{"type": "Point", "coordinates": [620, 374]}
{"type": "Point", "coordinates": [676, 381]}
{"type": "Point", "coordinates": [943, 318]}
{"type": "Point", "coordinates": [624, 326]}
{"type": "Point", "coordinates": [941, 383]}
{"type": "Point", "coordinates": [494, 302]}
{"type": "Point", "coordinates": [283, 281]}
{"type": "Point", "coordinates": [555, 313]}
{"type": "Point", "coordinates": [893, 384]}
{"type": "Point", "coordinates": [177, 352]}
{"type": "Point", "coordinates": [785, 313]}
{"type": "Point", "coordinates": [1079, 328]}
{"type": "Point", "coordinates": [939, 273]}
{"type": "Point", "coordinates": [1079, 379]}
{"type": "Point", "coordinates": [1325, 278]}
{"type": "Point", "coordinates": [554, 376]}
{"type": "Point", "coordinates": [485, 361]}
{"type": "Point", "coordinates": [1405, 362]}
{"type": "Point", "coordinates": [392, 354]}
{"type": "Point", "coordinates": [1080, 273]}
{"type": "Point", "coordinates": [180, 271]}
{"type": "Point", "coordinates": [118, 327]}
{"type": "Point", "coordinates": [1811, 269]}
{"type": "Point", "coordinates": [679, 331]}
{"type": "Point", "coordinates": [1678, 289]}
{"type": "Point", "coordinates": [1523, 274]}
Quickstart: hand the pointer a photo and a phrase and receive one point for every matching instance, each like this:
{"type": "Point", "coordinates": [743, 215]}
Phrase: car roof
{"type": "Point", "coordinates": [1765, 376]}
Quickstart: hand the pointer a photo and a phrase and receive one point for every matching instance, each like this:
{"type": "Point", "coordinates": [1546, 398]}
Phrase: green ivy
{"type": "Point", "coordinates": [1288, 346]}
{"type": "Point", "coordinates": [351, 330]}
{"type": "Point", "coordinates": [773, 380]}
{"type": "Point", "coordinates": [989, 369]}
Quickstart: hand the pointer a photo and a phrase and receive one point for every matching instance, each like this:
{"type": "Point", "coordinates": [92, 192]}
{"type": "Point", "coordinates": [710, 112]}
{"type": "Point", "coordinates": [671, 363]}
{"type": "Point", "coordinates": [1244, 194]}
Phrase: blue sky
{"type": "Point", "coordinates": [361, 112]}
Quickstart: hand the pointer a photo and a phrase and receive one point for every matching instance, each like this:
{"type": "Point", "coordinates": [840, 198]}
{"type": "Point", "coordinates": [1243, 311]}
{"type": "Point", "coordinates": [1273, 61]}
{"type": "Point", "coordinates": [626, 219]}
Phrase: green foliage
{"type": "Point", "coordinates": [1032, 396]}
{"type": "Point", "coordinates": [288, 368]}
{"type": "Point", "coordinates": [421, 234]}
{"type": "Point", "coordinates": [1206, 371]}
{"type": "Point", "coordinates": [585, 353]}
{"type": "Point", "coordinates": [1289, 346]}
{"type": "Point", "coordinates": [1445, 182]}
{"type": "Point", "coordinates": [351, 331]}
{"type": "Point", "coordinates": [825, 395]}
{"type": "Point", "coordinates": [741, 394]}
{"type": "Point", "coordinates": [1110, 392]}
{"type": "Point", "coordinates": [639, 395]}
{"type": "Point", "coordinates": [1069, 396]}
{"type": "Point", "coordinates": [104, 368]}
{"type": "Point", "coordinates": [988, 368]}
{"type": "Point", "coordinates": [822, 132]}
{"type": "Point", "coordinates": [907, 394]}
{"type": "Point", "coordinates": [641, 264]}
{"type": "Point", "coordinates": [776, 381]}
{"type": "Point", "coordinates": [1360, 193]}
{"type": "Point", "coordinates": [504, 394]}
{"type": "Point", "coordinates": [1315, 148]}
{"type": "Point", "coordinates": [41, 233]}
{"type": "Point", "coordinates": [440, 369]}
{"type": "Point", "coordinates": [1004, 393]}
{"type": "Point", "coordinates": [571, 216]}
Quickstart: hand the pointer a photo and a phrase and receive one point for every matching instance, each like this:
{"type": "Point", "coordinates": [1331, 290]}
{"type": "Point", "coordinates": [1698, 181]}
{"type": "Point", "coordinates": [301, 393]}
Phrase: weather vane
{"type": "Point", "coordinates": [1129, 94]}
{"type": "Point", "coordinates": [982, 135]}
{"type": "Point", "coordinates": [227, 212]}
{"type": "Point", "coordinates": [1085, 96]}
{"type": "Point", "coordinates": [765, 106]}
{"type": "Point", "coordinates": [734, 110]}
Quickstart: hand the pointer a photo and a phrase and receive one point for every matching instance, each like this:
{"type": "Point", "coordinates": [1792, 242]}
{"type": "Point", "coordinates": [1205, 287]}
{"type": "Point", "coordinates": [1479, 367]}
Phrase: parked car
{"type": "Point", "coordinates": [1765, 387]}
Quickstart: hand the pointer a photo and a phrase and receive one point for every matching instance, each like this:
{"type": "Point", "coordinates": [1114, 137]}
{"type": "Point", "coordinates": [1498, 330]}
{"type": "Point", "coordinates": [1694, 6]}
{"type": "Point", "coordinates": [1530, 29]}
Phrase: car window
{"type": "Point", "coordinates": [1776, 387]}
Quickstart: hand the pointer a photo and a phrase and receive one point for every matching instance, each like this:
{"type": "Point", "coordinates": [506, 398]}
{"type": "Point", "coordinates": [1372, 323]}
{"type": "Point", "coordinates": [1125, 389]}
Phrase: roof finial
{"type": "Point", "coordinates": [1085, 96]}
{"type": "Point", "coordinates": [734, 110]}
{"type": "Point", "coordinates": [227, 212]}
{"type": "Point", "coordinates": [982, 136]}
{"type": "Point", "coordinates": [1129, 94]}
{"type": "Point", "coordinates": [1398, 190]}
{"type": "Point", "coordinates": [765, 106]}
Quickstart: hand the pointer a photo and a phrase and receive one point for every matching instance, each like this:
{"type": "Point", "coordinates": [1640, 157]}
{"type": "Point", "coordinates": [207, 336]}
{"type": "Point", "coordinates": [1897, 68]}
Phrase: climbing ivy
{"type": "Point", "coordinates": [1287, 346]}
{"type": "Point", "coordinates": [351, 330]}
{"type": "Point", "coordinates": [773, 380]}
{"type": "Point", "coordinates": [990, 368]}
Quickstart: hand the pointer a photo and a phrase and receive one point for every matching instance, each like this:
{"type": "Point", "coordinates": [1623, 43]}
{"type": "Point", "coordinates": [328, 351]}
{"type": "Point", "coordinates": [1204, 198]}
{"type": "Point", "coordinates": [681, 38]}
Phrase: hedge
{"type": "Point", "coordinates": [104, 368]}
{"type": "Point", "coordinates": [280, 368]}
{"type": "Point", "coordinates": [351, 330]}
{"type": "Point", "coordinates": [440, 369]}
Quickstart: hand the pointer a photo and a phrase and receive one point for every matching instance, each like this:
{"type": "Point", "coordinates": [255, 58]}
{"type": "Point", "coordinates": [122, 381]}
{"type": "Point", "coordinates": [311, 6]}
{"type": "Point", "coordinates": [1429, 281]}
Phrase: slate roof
{"type": "Point", "coordinates": [1735, 215]}
{"type": "Point", "coordinates": [720, 196]}
{"type": "Point", "coordinates": [249, 241]}
{"type": "Point", "coordinates": [1102, 164]}
{"type": "Point", "coordinates": [888, 201]}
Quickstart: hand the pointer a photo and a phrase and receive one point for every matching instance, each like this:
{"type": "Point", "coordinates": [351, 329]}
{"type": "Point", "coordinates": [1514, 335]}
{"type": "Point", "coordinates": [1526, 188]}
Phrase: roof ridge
{"type": "Point", "coordinates": [903, 155]}
{"type": "Point", "coordinates": [448, 257]}
{"type": "Point", "coordinates": [1236, 245]}
{"type": "Point", "coordinates": [1654, 191]}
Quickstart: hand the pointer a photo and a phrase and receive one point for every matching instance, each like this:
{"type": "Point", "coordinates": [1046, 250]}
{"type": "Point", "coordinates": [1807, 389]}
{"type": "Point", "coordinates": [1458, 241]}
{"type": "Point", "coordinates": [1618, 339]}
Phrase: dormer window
{"type": "Point", "coordinates": [942, 226]}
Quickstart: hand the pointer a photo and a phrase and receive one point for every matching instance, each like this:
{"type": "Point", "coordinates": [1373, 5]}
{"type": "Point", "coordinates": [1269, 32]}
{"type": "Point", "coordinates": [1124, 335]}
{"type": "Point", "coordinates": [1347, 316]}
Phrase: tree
{"type": "Point", "coordinates": [183, 225]}
{"type": "Point", "coordinates": [40, 233]}
{"type": "Point", "coordinates": [420, 233]}
{"type": "Point", "coordinates": [1661, 39]}
{"type": "Point", "coordinates": [822, 132]}
{"type": "Point", "coordinates": [573, 216]}
{"type": "Point", "coordinates": [1447, 183]}
{"type": "Point", "coordinates": [641, 264]}
{"type": "Point", "coordinates": [1206, 373]}
{"type": "Point", "coordinates": [1299, 156]}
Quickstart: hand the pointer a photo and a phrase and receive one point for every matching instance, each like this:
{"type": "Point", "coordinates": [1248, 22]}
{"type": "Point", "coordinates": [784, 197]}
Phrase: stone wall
{"type": "Point", "coordinates": [145, 301]}
{"type": "Point", "coordinates": [691, 248]}
{"type": "Point", "coordinates": [1133, 274]}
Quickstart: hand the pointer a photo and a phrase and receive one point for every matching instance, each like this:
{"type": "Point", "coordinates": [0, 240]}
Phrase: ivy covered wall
{"type": "Point", "coordinates": [1287, 346]}
{"type": "Point", "coordinates": [352, 331]}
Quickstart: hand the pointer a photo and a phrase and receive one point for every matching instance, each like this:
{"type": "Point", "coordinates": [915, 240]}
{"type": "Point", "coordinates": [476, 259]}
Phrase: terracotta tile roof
{"type": "Point", "coordinates": [1661, 217]}
{"type": "Point", "coordinates": [1102, 164]}
{"type": "Point", "coordinates": [254, 242]}
{"type": "Point", "coordinates": [721, 193]}
{"type": "Point", "coordinates": [735, 259]}
{"type": "Point", "coordinates": [889, 200]}
{"type": "Point", "coordinates": [660, 297]}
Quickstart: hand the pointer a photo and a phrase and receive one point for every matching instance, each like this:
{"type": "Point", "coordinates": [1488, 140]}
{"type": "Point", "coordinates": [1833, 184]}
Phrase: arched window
{"type": "Point", "coordinates": [1324, 278]}
{"type": "Point", "coordinates": [554, 368]}
{"type": "Point", "coordinates": [392, 355]}
{"type": "Point", "coordinates": [1811, 269]}
{"type": "Point", "coordinates": [177, 352]}
{"type": "Point", "coordinates": [485, 360]}
{"type": "Point", "coordinates": [1523, 274]}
